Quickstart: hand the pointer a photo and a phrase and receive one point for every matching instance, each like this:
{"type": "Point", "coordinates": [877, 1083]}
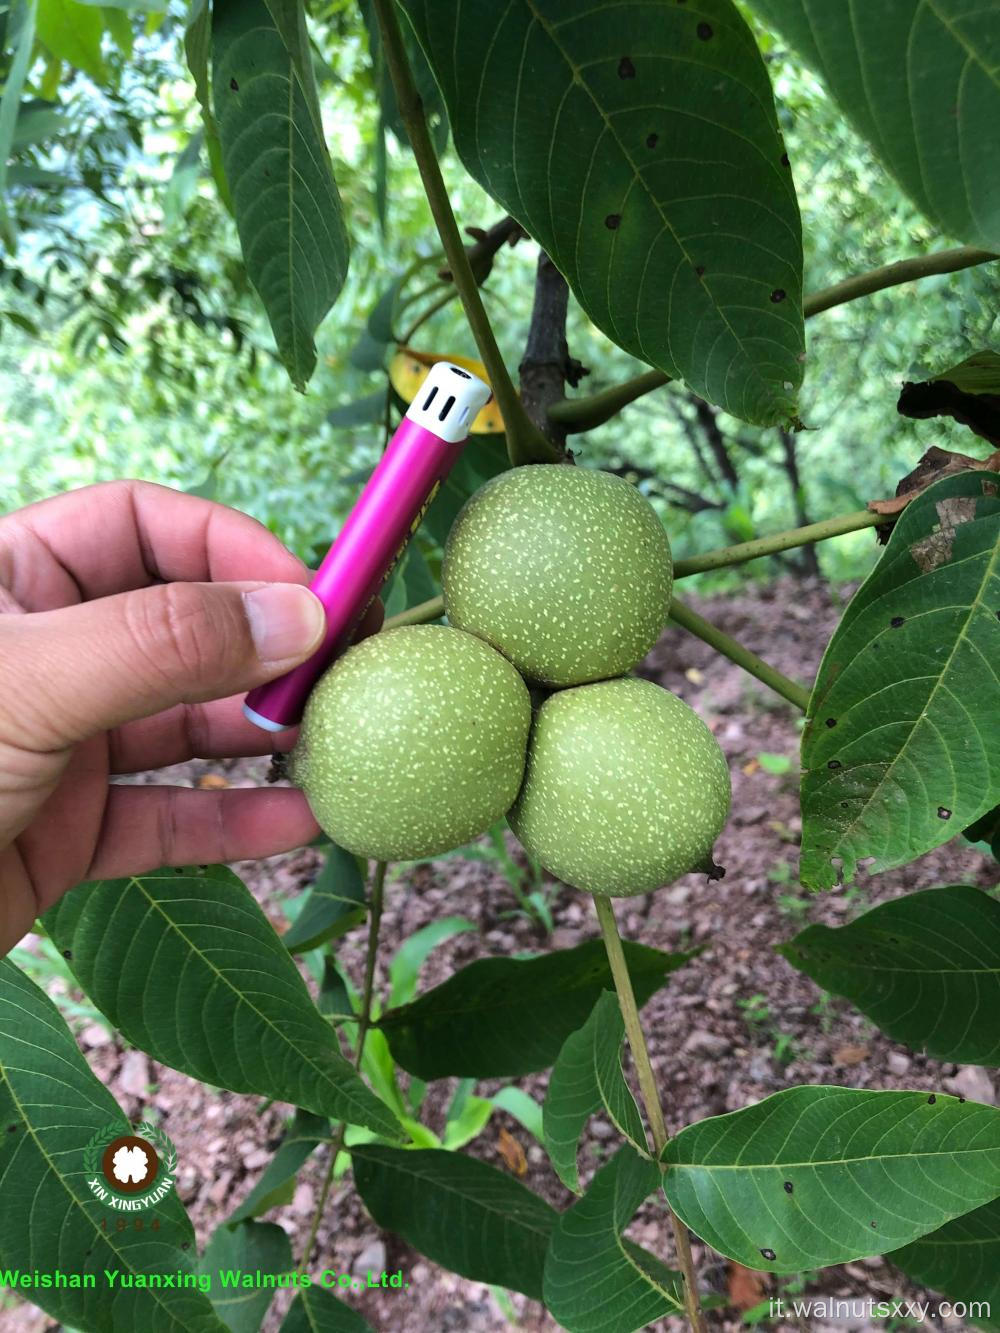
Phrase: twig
{"type": "Point", "coordinates": [891, 275]}
{"type": "Point", "coordinates": [648, 1091]}
{"type": "Point", "coordinates": [525, 443]}
{"type": "Point", "coordinates": [577, 414]}
{"type": "Point", "coordinates": [780, 541]}
{"type": "Point", "coordinates": [417, 615]}
{"type": "Point", "coordinates": [364, 1023]}
{"type": "Point", "coordinates": [546, 366]}
{"type": "Point", "coordinates": [768, 675]}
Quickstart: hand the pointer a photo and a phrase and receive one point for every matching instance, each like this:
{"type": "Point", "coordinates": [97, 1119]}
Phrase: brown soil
{"type": "Point", "coordinates": [715, 1046]}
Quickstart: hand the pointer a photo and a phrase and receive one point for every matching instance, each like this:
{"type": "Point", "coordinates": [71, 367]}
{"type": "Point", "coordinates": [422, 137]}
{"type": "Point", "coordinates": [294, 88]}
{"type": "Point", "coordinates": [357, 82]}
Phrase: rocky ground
{"type": "Point", "coordinates": [734, 1025]}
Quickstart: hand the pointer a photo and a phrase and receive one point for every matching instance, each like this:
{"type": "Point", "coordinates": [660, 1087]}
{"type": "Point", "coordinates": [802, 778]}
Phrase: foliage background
{"type": "Point", "coordinates": [131, 344]}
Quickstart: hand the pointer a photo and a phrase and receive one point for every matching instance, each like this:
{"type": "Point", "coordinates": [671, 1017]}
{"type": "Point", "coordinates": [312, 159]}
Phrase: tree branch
{"type": "Point", "coordinates": [525, 443]}
{"type": "Point", "coordinates": [780, 541]}
{"type": "Point", "coordinates": [891, 275]}
{"type": "Point", "coordinates": [647, 1088]}
{"type": "Point", "coordinates": [577, 413]}
{"type": "Point", "coordinates": [546, 366]}
{"type": "Point", "coordinates": [707, 418]}
{"type": "Point", "coordinates": [729, 647]}
{"type": "Point", "coordinates": [808, 562]}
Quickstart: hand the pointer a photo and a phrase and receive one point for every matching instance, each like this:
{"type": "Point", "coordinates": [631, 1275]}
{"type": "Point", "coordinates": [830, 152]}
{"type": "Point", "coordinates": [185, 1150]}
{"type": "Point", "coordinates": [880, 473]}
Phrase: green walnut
{"type": "Point", "coordinates": [625, 788]}
{"type": "Point", "coordinates": [413, 742]}
{"type": "Point", "coordinates": [565, 570]}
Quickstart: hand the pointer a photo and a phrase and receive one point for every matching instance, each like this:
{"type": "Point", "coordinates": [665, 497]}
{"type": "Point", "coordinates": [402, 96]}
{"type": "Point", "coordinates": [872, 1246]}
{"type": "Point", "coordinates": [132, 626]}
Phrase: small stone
{"type": "Point", "coordinates": [701, 1042]}
{"type": "Point", "coordinates": [95, 1034]}
{"type": "Point", "coordinates": [135, 1076]}
{"type": "Point", "coordinates": [253, 1161]}
{"type": "Point", "coordinates": [974, 1084]}
{"type": "Point", "coordinates": [304, 1199]}
{"type": "Point", "coordinates": [371, 1259]}
{"type": "Point", "coordinates": [898, 1063]}
{"type": "Point", "coordinates": [601, 1129]}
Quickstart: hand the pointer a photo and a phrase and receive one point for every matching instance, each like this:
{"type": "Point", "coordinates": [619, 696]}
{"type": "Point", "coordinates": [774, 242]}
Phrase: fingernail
{"type": "Point", "coordinates": [286, 621]}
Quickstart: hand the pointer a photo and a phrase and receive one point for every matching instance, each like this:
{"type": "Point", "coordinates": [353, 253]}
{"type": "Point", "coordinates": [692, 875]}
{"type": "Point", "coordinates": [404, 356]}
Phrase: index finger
{"type": "Point", "coordinates": [121, 535]}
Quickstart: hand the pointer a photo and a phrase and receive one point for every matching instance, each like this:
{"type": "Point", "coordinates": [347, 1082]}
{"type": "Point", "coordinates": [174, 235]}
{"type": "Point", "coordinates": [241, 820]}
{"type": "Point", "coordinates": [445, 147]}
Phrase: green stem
{"type": "Point", "coordinates": [891, 275]}
{"type": "Point", "coordinates": [768, 675]}
{"type": "Point", "coordinates": [576, 414]}
{"type": "Point", "coordinates": [648, 1090]}
{"type": "Point", "coordinates": [364, 1023]}
{"type": "Point", "coordinates": [427, 314]}
{"type": "Point", "coordinates": [417, 615]}
{"type": "Point", "coordinates": [780, 541]}
{"type": "Point", "coordinates": [525, 443]}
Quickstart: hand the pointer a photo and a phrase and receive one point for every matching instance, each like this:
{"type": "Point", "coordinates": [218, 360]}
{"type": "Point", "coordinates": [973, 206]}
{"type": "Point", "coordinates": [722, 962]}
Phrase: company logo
{"type": "Point", "coordinates": [132, 1171]}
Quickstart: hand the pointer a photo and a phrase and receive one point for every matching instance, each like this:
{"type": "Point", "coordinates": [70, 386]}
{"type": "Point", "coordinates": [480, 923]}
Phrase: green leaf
{"type": "Point", "coordinates": [625, 1287]}
{"type": "Point", "coordinates": [503, 1017]}
{"type": "Point", "coordinates": [412, 582]}
{"type": "Point", "coordinates": [587, 1073]}
{"type": "Point", "coordinates": [335, 904]}
{"type": "Point", "coordinates": [275, 1186]}
{"type": "Point", "coordinates": [961, 1261]}
{"type": "Point", "coordinates": [524, 1109]}
{"type": "Point", "coordinates": [639, 145]}
{"type": "Point", "coordinates": [986, 830]}
{"type": "Point", "coordinates": [189, 969]}
{"type": "Point", "coordinates": [925, 968]}
{"type": "Point", "coordinates": [36, 122]}
{"type": "Point", "coordinates": [316, 1310]}
{"type": "Point", "coordinates": [468, 1124]}
{"type": "Point", "coordinates": [459, 1212]}
{"type": "Point", "coordinates": [20, 38]}
{"type": "Point", "coordinates": [252, 1248]}
{"type": "Point", "coordinates": [902, 746]}
{"type": "Point", "coordinates": [869, 1171]}
{"type": "Point", "coordinates": [197, 51]}
{"type": "Point", "coordinates": [427, 89]}
{"type": "Point", "coordinates": [285, 199]}
{"type": "Point", "coordinates": [51, 1106]}
{"type": "Point", "coordinates": [72, 32]}
{"type": "Point", "coordinates": [921, 82]}
{"type": "Point", "coordinates": [482, 458]}
{"type": "Point", "coordinates": [404, 969]}
{"type": "Point", "coordinates": [334, 997]}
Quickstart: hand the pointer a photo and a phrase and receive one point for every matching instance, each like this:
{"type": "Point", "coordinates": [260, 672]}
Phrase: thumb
{"type": "Point", "coordinates": [74, 672]}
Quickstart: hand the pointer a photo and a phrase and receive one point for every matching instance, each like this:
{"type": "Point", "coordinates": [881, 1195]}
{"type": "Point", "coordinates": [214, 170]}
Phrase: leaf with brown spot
{"type": "Point", "coordinates": [935, 465]}
{"type": "Point", "coordinates": [512, 1152]}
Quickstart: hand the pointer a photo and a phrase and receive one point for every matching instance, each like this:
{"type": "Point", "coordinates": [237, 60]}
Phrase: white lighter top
{"type": "Point", "coordinates": [447, 401]}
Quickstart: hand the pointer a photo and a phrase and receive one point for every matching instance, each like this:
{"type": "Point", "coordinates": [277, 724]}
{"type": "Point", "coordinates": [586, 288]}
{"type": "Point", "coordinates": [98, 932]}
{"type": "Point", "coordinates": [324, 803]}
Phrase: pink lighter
{"type": "Point", "coordinates": [387, 514]}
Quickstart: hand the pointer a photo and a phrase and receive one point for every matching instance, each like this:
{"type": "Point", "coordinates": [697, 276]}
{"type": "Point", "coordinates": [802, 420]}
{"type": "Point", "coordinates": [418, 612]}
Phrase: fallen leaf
{"type": "Point", "coordinates": [212, 782]}
{"type": "Point", "coordinates": [512, 1153]}
{"type": "Point", "coordinates": [850, 1055]}
{"type": "Point", "coordinates": [751, 767]}
{"type": "Point", "coordinates": [745, 1287]}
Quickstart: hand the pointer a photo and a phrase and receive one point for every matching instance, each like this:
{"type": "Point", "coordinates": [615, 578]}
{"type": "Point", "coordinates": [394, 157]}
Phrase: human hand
{"type": "Point", "coordinates": [132, 620]}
